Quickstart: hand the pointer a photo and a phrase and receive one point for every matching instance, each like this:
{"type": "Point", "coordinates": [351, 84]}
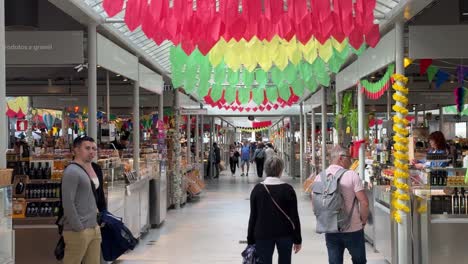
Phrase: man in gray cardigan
{"type": "Point", "coordinates": [81, 233]}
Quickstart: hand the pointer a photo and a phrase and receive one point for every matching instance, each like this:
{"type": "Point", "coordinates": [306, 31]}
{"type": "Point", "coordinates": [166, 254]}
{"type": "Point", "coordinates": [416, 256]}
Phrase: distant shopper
{"type": "Point", "coordinates": [334, 189]}
{"type": "Point", "coordinates": [259, 158]}
{"type": "Point", "coordinates": [269, 151]}
{"type": "Point", "coordinates": [253, 147]}
{"type": "Point", "coordinates": [82, 198]}
{"type": "Point", "coordinates": [233, 158]}
{"type": "Point", "coordinates": [216, 159]}
{"type": "Point", "coordinates": [245, 158]}
{"type": "Point", "coordinates": [274, 218]}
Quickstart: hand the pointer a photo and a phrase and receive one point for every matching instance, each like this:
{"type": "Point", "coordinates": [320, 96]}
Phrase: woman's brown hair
{"type": "Point", "coordinates": [439, 140]}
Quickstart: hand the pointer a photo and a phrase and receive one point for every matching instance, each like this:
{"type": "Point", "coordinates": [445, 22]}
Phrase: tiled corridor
{"type": "Point", "coordinates": [209, 230]}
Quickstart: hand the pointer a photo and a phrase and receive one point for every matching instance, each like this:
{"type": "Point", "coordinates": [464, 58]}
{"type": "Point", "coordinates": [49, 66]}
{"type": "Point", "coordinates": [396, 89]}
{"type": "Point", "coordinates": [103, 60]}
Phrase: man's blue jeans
{"type": "Point", "coordinates": [265, 249]}
{"type": "Point", "coordinates": [354, 242]}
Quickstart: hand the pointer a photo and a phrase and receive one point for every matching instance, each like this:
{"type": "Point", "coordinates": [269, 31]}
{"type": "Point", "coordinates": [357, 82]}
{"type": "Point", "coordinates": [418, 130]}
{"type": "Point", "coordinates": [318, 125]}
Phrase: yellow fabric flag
{"type": "Point", "coordinates": [326, 51]}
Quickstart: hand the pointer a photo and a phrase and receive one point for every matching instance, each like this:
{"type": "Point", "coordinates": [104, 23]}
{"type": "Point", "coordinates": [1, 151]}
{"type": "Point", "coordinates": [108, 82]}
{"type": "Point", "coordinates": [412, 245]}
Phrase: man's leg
{"type": "Point", "coordinates": [242, 167]}
{"type": "Point", "coordinates": [93, 254]}
{"type": "Point", "coordinates": [217, 170]}
{"type": "Point", "coordinates": [76, 244]}
{"type": "Point", "coordinates": [335, 247]}
{"type": "Point", "coordinates": [356, 245]}
{"type": "Point", "coordinates": [284, 247]}
{"type": "Point", "coordinates": [265, 249]}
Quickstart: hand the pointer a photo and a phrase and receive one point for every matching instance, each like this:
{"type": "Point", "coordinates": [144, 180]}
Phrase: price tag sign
{"type": "Point", "coordinates": [21, 125]}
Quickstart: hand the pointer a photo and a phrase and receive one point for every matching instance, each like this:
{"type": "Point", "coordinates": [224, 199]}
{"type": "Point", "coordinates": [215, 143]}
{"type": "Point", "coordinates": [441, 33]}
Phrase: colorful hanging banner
{"type": "Point", "coordinates": [203, 26]}
{"type": "Point", "coordinates": [374, 90]}
{"type": "Point", "coordinates": [246, 129]}
{"type": "Point", "coordinates": [261, 124]}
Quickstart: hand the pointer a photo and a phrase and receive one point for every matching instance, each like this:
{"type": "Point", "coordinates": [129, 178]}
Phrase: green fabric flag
{"type": "Point", "coordinates": [334, 64]}
{"type": "Point", "coordinates": [431, 72]}
{"type": "Point", "coordinates": [258, 95]}
{"type": "Point", "coordinates": [177, 79]}
{"type": "Point", "coordinates": [233, 77]}
{"type": "Point", "coordinates": [360, 50]}
{"type": "Point", "coordinates": [312, 85]}
{"type": "Point", "coordinates": [298, 87]}
{"type": "Point", "coordinates": [220, 73]}
{"type": "Point", "coordinates": [272, 93]}
{"type": "Point", "coordinates": [204, 73]}
{"type": "Point", "coordinates": [203, 89]}
{"type": "Point", "coordinates": [190, 79]}
{"type": "Point", "coordinates": [276, 75]}
{"type": "Point", "coordinates": [216, 92]}
{"type": "Point", "coordinates": [344, 54]}
{"type": "Point", "coordinates": [230, 94]}
{"type": "Point", "coordinates": [305, 71]}
{"type": "Point", "coordinates": [248, 78]}
{"type": "Point", "coordinates": [244, 95]}
{"type": "Point", "coordinates": [261, 78]}
{"type": "Point", "coordinates": [284, 92]}
{"type": "Point", "coordinates": [290, 73]}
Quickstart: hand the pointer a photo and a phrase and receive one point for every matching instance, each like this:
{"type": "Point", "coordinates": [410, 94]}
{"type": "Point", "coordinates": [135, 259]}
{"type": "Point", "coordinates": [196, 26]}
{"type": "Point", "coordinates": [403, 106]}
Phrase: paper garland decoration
{"type": "Point", "coordinates": [374, 90]}
{"type": "Point", "coordinates": [401, 196]}
{"type": "Point", "coordinates": [460, 94]}
{"type": "Point", "coordinates": [261, 124]}
{"type": "Point", "coordinates": [252, 129]}
{"type": "Point", "coordinates": [203, 24]}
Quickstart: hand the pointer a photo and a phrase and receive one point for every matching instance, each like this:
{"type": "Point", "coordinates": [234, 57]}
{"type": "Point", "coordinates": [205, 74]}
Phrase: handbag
{"type": "Point", "coordinates": [59, 251]}
{"type": "Point", "coordinates": [249, 255]}
{"type": "Point", "coordinates": [279, 208]}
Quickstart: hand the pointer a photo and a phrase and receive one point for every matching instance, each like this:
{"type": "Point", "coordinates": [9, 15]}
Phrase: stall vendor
{"type": "Point", "coordinates": [438, 146]}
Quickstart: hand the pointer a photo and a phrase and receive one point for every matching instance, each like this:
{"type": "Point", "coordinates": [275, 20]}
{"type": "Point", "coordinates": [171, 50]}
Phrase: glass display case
{"type": "Point", "coordinates": [6, 229]}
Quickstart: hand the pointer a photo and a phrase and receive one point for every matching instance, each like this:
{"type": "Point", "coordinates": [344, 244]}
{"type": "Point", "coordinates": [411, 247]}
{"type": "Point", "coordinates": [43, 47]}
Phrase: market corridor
{"type": "Point", "coordinates": [209, 230]}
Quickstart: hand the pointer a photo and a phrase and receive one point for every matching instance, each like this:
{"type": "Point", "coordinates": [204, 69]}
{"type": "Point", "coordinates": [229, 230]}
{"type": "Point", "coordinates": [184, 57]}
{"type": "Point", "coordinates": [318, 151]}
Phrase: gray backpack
{"type": "Point", "coordinates": [329, 207]}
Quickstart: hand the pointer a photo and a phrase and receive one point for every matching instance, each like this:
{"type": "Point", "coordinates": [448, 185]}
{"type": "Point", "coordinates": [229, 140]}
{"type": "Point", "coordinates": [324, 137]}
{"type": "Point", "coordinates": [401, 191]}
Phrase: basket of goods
{"type": "Point", "coordinates": [5, 176]}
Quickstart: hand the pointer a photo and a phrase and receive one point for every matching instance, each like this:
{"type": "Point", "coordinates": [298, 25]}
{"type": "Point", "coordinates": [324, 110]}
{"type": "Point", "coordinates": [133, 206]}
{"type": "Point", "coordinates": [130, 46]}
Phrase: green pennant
{"type": "Point", "coordinates": [261, 78]}
{"type": "Point", "coordinates": [177, 79]}
{"type": "Point", "coordinates": [284, 92]}
{"type": "Point", "coordinates": [258, 95]}
{"type": "Point", "coordinates": [290, 73]}
{"type": "Point", "coordinates": [233, 77]}
{"type": "Point", "coordinates": [216, 92]}
{"type": "Point", "coordinates": [190, 79]}
{"type": "Point", "coordinates": [431, 72]}
{"type": "Point", "coordinates": [249, 77]}
{"type": "Point", "coordinates": [272, 93]}
{"type": "Point", "coordinates": [298, 87]}
{"type": "Point", "coordinates": [244, 95]}
{"type": "Point", "coordinates": [343, 54]}
{"type": "Point", "coordinates": [360, 50]}
{"type": "Point", "coordinates": [230, 94]}
{"type": "Point", "coordinates": [203, 89]}
{"type": "Point", "coordinates": [220, 73]}
{"type": "Point", "coordinates": [276, 75]}
{"type": "Point", "coordinates": [311, 85]}
{"type": "Point", "coordinates": [334, 64]}
{"type": "Point", "coordinates": [305, 71]}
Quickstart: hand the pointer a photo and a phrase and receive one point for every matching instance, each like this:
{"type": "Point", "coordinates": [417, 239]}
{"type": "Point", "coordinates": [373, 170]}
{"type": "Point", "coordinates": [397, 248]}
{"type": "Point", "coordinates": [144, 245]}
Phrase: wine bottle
{"type": "Point", "coordinates": [40, 174]}
{"type": "Point", "coordinates": [455, 204]}
{"type": "Point", "coordinates": [19, 187]}
{"type": "Point", "coordinates": [47, 171]}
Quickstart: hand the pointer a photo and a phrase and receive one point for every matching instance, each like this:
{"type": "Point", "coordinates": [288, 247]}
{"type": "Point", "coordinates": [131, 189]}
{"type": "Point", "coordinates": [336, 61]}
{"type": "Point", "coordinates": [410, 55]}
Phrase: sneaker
{"type": "Point", "coordinates": [242, 174]}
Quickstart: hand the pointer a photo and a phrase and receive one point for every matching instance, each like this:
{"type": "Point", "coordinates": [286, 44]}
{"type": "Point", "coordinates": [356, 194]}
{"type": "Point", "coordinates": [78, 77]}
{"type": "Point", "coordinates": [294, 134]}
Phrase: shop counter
{"type": "Point", "coordinates": [382, 222]}
{"type": "Point", "coordinates": [136, 215]}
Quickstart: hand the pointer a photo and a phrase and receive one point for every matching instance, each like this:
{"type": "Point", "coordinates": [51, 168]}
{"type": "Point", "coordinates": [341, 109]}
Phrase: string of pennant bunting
{"type": "Point", "coordinates": [247, 129]}
{"type": "Point", "coordinates": [374, 90]}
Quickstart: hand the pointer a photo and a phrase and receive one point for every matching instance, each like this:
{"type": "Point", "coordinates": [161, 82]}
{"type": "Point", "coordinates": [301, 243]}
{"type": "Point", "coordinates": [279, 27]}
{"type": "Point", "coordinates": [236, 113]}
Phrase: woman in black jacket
{"type": "Point", "coordinates": [274, 218]}
{"type": "Point", "coordinates": [100, 197]}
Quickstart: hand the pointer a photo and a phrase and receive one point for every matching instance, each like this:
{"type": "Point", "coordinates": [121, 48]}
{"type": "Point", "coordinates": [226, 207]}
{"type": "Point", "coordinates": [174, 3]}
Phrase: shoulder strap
{"type": "Point", "coordinates": [279, 208]}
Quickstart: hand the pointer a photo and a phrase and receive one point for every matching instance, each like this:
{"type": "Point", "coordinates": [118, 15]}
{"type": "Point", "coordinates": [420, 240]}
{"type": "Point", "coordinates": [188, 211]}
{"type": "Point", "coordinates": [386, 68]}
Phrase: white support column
{"type": "Point", "coordinates": [306, 136]}
{"type": "Point", "coordinates": [404, 246]}
{"type": "Point", "coordinates": [136, 126]}
{"type": "Point", "coordinates": [3, 120]}
{"type": "Point", "coordinates": [312, 137]}
{"type": "Point", "coordinates": [107, 96]}
{"type": "Point", "coordinates": [337, 134]}
{"type": "Point", "coordinates": [324, 128]}
{"type": "Point", "coordinates": [92, 80]}
{"type": "Point", "coordinates": [441, 119]}
{"type": "Point", "coordinates": [361, 129]}
{"type": "Point", "coordinates": [197, 139]}
{"type": "Point", "coordinates": [202, 145]}
{"type": "Point", "coordinates": [188, 133]}
{"type": "Point", "coordinates": [301, 143]}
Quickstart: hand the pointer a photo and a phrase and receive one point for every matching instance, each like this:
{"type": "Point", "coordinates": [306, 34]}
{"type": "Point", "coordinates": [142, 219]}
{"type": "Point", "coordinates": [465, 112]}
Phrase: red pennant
{"type": "Point", "coordinates": [424, 65]}
{"type": "Point", "coordinates": [356, 39]}
{"type": "Point", "coordinates": [20, 114]}
{"type": "Point", "coordinates": [373, 36]}
{"type": "Point", "coordinates": [113, 7]}
{"type": "Point", "coordinates": [133, 13]}
{"type": "Point", "coordinates": [275, 106]}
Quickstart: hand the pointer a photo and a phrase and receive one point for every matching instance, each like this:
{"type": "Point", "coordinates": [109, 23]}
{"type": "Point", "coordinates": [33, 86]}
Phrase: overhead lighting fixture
{"type": "Point", "coordinates": [118, 75]}
{"type": "Point", "coordinates": [99, 66]}
{"type": "Point", "coordinates": [80, 67]}
{"type": "Point", "coordinates": [372, 77]}
{"type": "Point", "coordinates": [125, 79]}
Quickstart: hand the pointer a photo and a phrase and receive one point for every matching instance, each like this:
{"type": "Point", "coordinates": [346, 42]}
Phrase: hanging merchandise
{"type": "Point", "coordinates": [374, 90]}
{"type": "Point", "coordinates": [247, 129]}
{"type": "Point", "coordinates": [400, 197]}
{"type": "Point", "coordinates": [178, 22]}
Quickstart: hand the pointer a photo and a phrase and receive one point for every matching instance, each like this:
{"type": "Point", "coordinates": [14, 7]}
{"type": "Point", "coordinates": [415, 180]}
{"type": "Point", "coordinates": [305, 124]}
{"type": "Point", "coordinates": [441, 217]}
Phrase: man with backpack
{"type": "Point", "coordinates": [245, 158]}
{"type": "Point", "coordinates": [259, 158]}
{"type": "Point", "coordinates": [342, 208]}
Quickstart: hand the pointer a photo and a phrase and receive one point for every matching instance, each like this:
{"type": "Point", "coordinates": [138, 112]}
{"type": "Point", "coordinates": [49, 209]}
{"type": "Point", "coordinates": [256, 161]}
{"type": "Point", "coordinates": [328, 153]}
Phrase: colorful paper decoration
{"type": "Point", "coordinates": [401, 195]}
{"type": "Point", "coordinates": [431, 72]}
{"type": "Point", "coordinates": [423, 65]}
{"type": "Point", "coordinates": [441, 78]}
{"type": "Point", "coordinates": [246, 129]}
{"type": "Point", "coordinates": [261, 124]}
{"type": "Point", "coordinates": [48, 120]}
{"type": "Point", "coordinates": [374, 90]}
{"type": "Point", "coordinates": [407, 62]}
{"type": "Point", "coordinates": [181, 23]}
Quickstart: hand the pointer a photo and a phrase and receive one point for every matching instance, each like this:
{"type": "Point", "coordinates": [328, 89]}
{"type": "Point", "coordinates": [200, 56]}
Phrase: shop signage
{"type": "Point", "coordinates": [21, 125]}
{"type": "Point", "coordinates": [44, 47]}
{"type": "Point", "coordinates": [194, 111]}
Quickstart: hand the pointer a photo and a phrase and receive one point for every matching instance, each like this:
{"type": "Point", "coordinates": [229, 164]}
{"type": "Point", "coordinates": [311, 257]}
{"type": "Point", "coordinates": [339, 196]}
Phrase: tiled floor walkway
{"type": "Point", "coordinates": [209, 230]}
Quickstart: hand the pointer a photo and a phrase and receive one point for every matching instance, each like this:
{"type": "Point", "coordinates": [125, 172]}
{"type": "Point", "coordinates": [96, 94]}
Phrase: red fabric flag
{"type": "Point", "coordinates": [373, 36]}
{"type": "Point", "coordinates": [337, 30]}
{"type": "Point", "coordinates": [276, 10]}
{"type": "Point", "coordinates": [133, 14]}
{"type": "Point", "coordinates": [113, 7]}
{"type": "Point", "coordinates": [322, 7]}
{"type": "Point", "coordinates": [304, 30]}
{"type": "Point", "coordinates": [423, 65]}
{"type": "Point", "coordinates": [355, 38]}
{"type": "Point", "coordinates": [347, 23]}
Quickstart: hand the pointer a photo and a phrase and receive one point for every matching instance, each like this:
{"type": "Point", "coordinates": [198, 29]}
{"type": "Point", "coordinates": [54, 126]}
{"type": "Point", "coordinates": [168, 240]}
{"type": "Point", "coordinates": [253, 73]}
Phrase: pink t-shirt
{"type": "Point", "coordinates": [350, 184]}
